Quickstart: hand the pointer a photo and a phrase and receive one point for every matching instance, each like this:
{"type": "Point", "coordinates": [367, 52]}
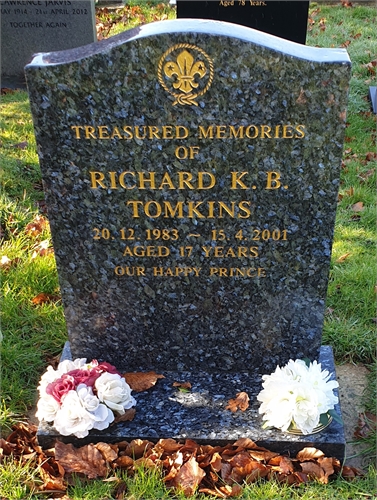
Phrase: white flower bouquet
{"type": "Point", "coordinates": [297, 396]}
{"type": "Point", "coordinates": [80, 396]}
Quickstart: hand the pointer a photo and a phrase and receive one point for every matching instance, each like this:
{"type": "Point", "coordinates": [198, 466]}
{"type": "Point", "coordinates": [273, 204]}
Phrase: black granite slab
{"type": "Point", "coordinates": [200, 414]}
{"type": "Point", "coordinates": [28, 27]}
{"type": "Point", "coordinates": [192, 222]}
{"type": "Point", "coordinates": [286, 19]}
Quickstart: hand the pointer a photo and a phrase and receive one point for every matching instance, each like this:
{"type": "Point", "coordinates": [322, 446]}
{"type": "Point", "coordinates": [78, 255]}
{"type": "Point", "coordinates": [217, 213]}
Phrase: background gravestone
{"type": "Point", "coordinates": [191, 171]}
{"type": "Point", "coordinates": [286, 19]}
{"type": "Point", "coordinates": [29, 27]}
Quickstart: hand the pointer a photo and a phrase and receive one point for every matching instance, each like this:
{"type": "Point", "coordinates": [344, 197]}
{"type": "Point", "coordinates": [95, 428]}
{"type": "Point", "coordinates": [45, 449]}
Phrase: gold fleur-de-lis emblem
{"type": "Point", "coordinates": [186, 72]}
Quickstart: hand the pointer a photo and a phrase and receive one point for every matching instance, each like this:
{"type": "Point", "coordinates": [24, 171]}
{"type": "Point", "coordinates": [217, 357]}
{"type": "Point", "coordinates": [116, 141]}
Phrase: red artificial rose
{"type": "Point", "coordinates": [82, 376]}
{"type": "Point", "coordinates": [61, 387]}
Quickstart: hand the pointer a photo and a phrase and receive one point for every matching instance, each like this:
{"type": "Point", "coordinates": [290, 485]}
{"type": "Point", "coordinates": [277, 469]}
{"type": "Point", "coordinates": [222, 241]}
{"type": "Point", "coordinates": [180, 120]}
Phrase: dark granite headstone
{"type": "Point", "coordinates": [191, 171]}
{"type": "Point", "coordinates": [28, 27]}
{"type": "Point", "coordinates": [286, 19]}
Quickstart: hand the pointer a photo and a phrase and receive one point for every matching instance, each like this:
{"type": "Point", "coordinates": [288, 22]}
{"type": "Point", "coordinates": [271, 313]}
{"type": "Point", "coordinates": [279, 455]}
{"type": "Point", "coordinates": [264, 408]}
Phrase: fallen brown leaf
{"type": "Point", "coordinates": [6, 263]}
{"type": "Point", "coordinates": [371, 155]}
{"type": "Point", "coordinates": [21, 145]}
{"type": "Point", "coordinates": [108, 451]}
{"type": "Point", "coordinates": [42, 249]}
{"type": "Point", "coordinates": [182, 385]}
{"type": "Point", "coordinates": [343, 257]}
{"type": "Point", "coordinates": [309, 453]}
{"type": "Point", "coordinates": [364, 176]}
{"type": "Point", "coordinates": [86, 460]}
{"type": "Point", "coordinates": [141, 381]}
{"type": "Point", "coordinates": [366, 425]}
{"type": "Point", "coordinates": [37, 226]}
{"type": "Point", "coordinates": [45, 298]}
{"type": "Point", "coordinates": [127, 416]}
{"type": "Point", "coordinates": [358, 207]}
{"type": "Point", "coordinates": [371, 67]}
{"type": "Point", "coordinates": [241, 402]}
{"type": "Point", "coordinates": [188, 477]}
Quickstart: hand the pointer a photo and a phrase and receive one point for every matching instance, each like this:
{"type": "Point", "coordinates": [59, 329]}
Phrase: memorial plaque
{"type": "Point", "coordinates": [28, 27]}
{"type": "Point", "coordinates": [191, 171]}
{"type": "Point", "coordinates": [285, 19]}
{"type": "Point", "coordinates": [191, 182]}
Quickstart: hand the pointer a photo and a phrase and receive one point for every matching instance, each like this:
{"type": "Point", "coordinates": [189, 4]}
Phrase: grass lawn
{"type": "Point", "coordinates": [34, 329]}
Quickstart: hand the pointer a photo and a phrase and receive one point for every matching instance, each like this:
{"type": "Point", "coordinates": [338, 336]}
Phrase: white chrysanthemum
{"type": "Point", "coordinates": [297, 394]}
{"type": "Point", "coordinates": [47, 408]}
{"type": "Point", "coordinates": [113, 390]}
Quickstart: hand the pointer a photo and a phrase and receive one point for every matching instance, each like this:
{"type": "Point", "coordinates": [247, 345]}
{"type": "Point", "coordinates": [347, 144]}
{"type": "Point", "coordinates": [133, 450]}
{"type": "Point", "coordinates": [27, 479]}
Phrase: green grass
{"type": "Point", "coordinates": [34, 334]}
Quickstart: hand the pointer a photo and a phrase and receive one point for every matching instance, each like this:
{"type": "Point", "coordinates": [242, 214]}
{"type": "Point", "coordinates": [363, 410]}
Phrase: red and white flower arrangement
{"type": "Point", "coordinates": [80, 396]}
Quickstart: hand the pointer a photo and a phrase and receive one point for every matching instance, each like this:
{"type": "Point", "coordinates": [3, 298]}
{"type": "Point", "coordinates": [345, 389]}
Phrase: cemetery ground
{"type": "Point", "coordinates": [33, 323]}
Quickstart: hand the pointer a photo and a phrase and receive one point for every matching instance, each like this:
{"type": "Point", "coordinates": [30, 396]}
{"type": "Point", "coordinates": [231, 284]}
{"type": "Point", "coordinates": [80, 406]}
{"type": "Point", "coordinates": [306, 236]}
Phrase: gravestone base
{"type": "Point", "coordinates": [166, 412]}
{"type": "Point", "coordinates": [373, 98]}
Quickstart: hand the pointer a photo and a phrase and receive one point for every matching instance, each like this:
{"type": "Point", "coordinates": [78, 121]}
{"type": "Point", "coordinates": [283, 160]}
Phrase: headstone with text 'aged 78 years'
{"type": "Point", "coordinates": [191, 171]}
{"type": "Point", "coordinates": [286, 19]}
{"type": "Point", "coordinates": [28, 27]}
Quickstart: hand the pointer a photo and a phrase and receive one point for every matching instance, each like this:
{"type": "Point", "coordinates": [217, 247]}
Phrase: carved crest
{"type": "Point", "coordinates": [186, 72]}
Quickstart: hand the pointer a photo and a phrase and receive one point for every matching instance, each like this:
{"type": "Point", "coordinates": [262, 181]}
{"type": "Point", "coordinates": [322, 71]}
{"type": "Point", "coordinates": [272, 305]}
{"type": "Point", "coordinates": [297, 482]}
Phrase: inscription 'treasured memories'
{"type": "Point", "coordinates": [191, 172]}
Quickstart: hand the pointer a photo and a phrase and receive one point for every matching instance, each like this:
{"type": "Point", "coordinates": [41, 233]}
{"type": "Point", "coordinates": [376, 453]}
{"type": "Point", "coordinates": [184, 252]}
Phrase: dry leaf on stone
{"type": "Point", "coordinates": [127, 416]}
{"type": "Point", "coordinates": [241, 402]}
{"type": "Point", "coordinates": [141, 381]}
{"type": "Point", "coordinates": [366, 425]}
{"type": "Point", "coordinates": [86, 460]}
{"type": "Point", "coordinates": [182, 385]}
{"type": "Point", "coordinates": [358, 207]}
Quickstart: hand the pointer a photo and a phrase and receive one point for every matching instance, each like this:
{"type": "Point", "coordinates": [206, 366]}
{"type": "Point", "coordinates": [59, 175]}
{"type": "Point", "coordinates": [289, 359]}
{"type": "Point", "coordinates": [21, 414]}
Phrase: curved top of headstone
{"type": "Point", "coordinates": [209, 27]}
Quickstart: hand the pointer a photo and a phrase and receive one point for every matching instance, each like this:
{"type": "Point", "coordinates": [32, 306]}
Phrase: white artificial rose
{"type": "Point", "coordinates": [113, 390]}
{"type": "Point", "coordinates": [52, 375]}
{"type": "Point", "coordinates": [47, 408]}
{"type": "Point", "coordinates": [88, 400]}
{"type": "Point", "coordinates": [73, 418]}
{"type": "Point", "coordinates": [49, 376]}
{"type": "Point", "coordinates": [102, 415]}
{"type": "Point", "coordinates": [68, 365]}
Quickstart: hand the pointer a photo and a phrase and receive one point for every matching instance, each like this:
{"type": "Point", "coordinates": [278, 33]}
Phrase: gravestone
{"type": "Point", "coordinates": [286, 19]}
{"type": "Point", "coordinates": [191, 171]}
{"type": "Point", "coordinates": [28, 27]}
